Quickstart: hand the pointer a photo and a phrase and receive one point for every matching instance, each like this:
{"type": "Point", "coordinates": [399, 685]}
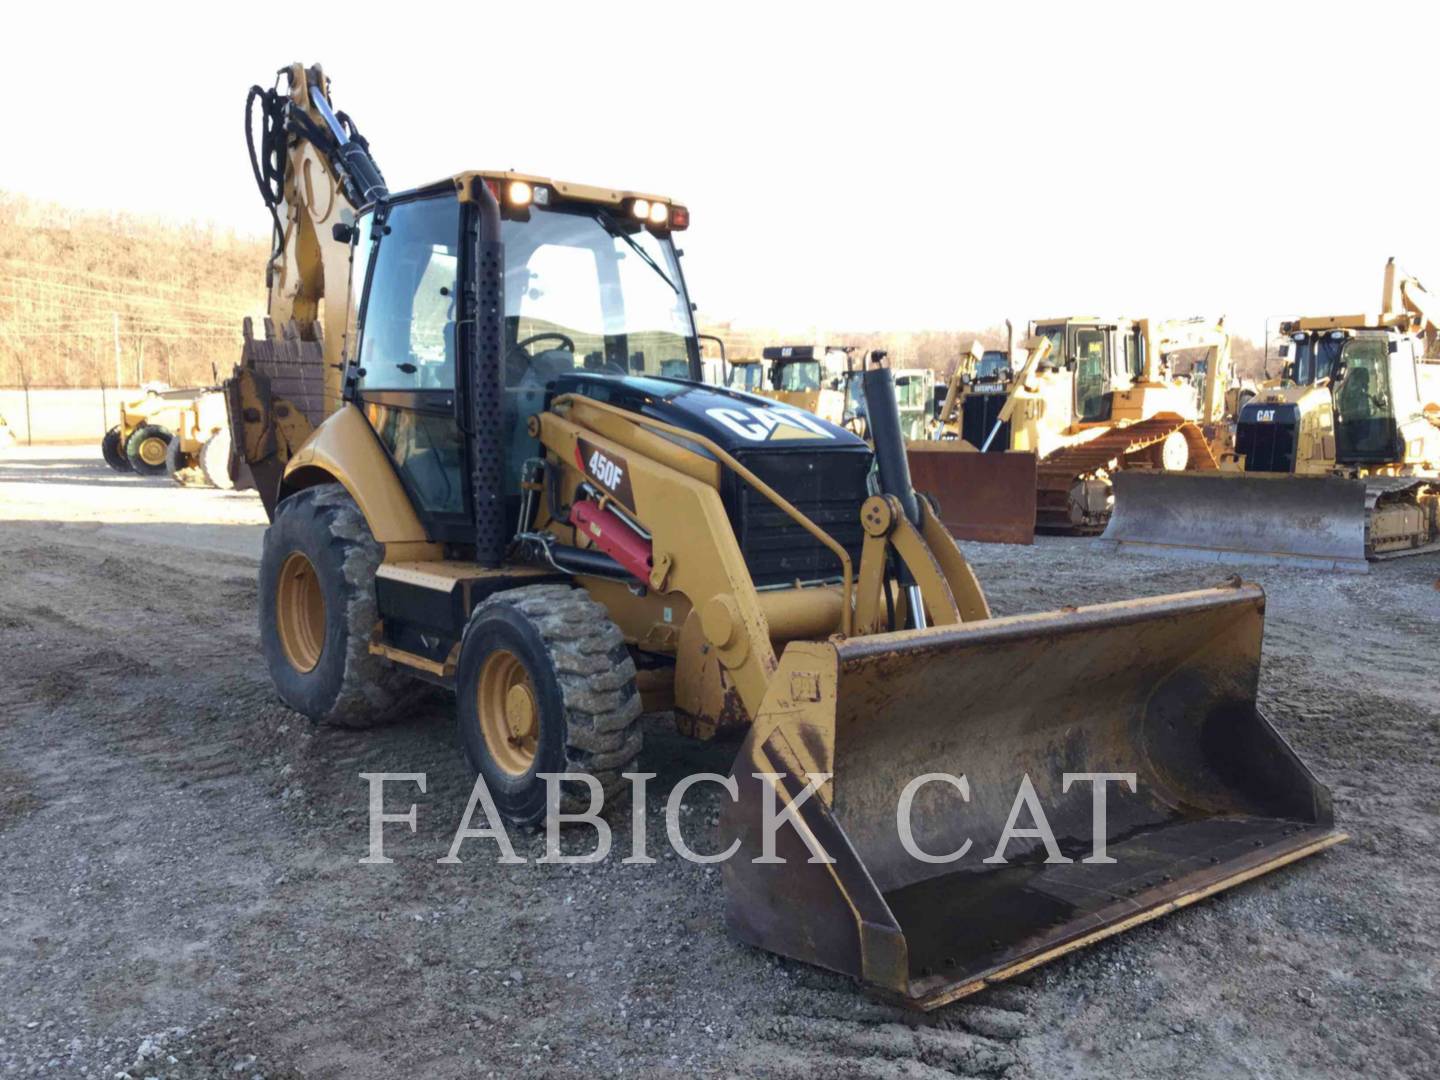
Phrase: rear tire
{"type": "Point", "coordinates": [177, 462]}
{"type": "Point", "coordinates": [113, 452]}
{"type": "Point", "coordinates": [215, 460]}
{"type": "Point", "coordinates": [317, 612]}
{"type": "Point", "coordinates": [146, 449]}
{"type": "Point", "coordinates": [546, 685]}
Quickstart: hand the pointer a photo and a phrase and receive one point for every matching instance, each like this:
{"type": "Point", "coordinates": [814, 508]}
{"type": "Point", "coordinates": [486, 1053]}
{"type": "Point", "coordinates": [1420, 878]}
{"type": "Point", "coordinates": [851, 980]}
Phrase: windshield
{"type": "Point", "coordinates": [747, 377]}
{"type": "Point", "coordinates": [584, 289]}
{"type": "Point", "coordinates": [993, 365]}
{"type": "Point", "coordinates": [1315, 357]}
{"type": "Point", "coordinates": [799, 375]}
{"type": "Point", "coordinates": [1056, 336]}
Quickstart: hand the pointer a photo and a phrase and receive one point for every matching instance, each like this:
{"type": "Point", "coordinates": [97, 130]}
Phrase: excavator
{"type": "Point", "coordinates": [510, 501]}
{"type": "Point", "coordinates": [1336, 467]}
{"type": "Point", "coordinates": [1092, 397]}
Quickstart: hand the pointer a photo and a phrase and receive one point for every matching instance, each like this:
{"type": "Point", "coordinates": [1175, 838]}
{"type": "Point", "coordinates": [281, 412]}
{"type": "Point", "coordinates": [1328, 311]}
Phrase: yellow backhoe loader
{"type": "Point", "coordinates": [1100, 401]}
{"type": "Point", "coordinates": [510, 501]}
{"type": "Point", "coordinates": [1335, 467]}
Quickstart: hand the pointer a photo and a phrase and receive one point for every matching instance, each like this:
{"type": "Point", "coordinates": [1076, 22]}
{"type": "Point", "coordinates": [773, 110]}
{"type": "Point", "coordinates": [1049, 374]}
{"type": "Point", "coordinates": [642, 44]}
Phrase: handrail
{"type": "Point", "coordinates": [847, 618]}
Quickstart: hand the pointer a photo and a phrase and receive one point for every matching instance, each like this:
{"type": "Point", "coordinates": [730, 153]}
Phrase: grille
{"type": "Point", "coordinates": [827, 486]}
{"type": "Point", "coordinates": [1268, 444]}
{"type": "Point", "coordinates": [978, 413]}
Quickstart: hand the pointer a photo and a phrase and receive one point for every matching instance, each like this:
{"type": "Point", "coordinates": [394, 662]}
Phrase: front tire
{"type": "Point", "coordinates": [178, 464]}
{"type": "Point", "coordinates": [215, 460]}
{"type": "Point", "coordinates": [147, 448]}
{"type": "Point", "coordinates": [317, 611]}
{"type": "Point", "coordinates": [546, 685]}
{"type": "Point", "coordinates": [113, 451]}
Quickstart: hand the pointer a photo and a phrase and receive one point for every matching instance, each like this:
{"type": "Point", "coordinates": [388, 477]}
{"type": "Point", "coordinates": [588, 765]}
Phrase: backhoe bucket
{"type": "Point", "coordinates": [985, 497]}
{"type": "Point", "coordinates": [1229, 517]}
{"type": "Point", "coordinates": [1162, 688]}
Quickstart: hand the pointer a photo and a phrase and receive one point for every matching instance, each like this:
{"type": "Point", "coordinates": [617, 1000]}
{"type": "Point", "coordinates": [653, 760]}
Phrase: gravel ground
{"type": "Point", "coordinates": [181, 894]}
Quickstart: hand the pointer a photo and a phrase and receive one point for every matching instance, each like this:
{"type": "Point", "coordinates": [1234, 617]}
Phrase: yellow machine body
{"type": "Point", "coordinates": [759, 573]}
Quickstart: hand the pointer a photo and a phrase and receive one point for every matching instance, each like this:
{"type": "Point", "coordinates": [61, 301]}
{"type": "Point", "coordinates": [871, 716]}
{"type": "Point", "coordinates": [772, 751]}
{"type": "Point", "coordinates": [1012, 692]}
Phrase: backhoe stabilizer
{"type": "Point", "coordinates": [1317, 522]}
{"type": "Point", "coordinates": [1162, 688]}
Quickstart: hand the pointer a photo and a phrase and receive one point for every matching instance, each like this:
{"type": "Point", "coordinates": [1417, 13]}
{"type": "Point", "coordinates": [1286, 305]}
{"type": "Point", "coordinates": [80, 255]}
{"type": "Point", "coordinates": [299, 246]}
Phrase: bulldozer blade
{"type": "Point", "coordinates": [985, 497]}
{"type": "Point", "coordinates": [1228, 517]}
{"type": "Point", "coordinates": [1163, 688]}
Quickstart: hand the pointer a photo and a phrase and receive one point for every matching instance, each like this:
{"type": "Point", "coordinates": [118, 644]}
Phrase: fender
{"type": "Point", "coordinates": [345, 450]}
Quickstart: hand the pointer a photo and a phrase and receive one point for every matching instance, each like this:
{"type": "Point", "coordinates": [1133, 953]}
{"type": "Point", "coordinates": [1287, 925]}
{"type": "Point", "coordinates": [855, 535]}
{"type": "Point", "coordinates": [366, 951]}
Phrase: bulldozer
{"type": "Point", "coordinates": [1335, 467]}
{"type": "Point", "coordinates": [510, 501]}
{"type": "Point", "coordinates": [1101, 400]}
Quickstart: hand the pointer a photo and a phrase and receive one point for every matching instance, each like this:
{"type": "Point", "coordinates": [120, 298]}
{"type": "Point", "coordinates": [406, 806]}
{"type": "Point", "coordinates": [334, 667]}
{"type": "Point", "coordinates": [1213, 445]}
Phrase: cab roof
{"type": "Point", "coordinates": [566, 189]}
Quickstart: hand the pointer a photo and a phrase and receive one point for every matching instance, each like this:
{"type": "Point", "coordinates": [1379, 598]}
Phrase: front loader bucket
{"type": "Point", "coordinates": [1163, 688]}
{"type": "Point", "coordinates": [1227, 517]}
{"type": "Point", "coordinates": [985, 497]}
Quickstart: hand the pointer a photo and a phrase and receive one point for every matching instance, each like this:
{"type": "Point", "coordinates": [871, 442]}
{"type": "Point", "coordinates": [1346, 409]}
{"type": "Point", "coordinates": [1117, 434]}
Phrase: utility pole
{"type": "Point", "coordinates": [115, 323]}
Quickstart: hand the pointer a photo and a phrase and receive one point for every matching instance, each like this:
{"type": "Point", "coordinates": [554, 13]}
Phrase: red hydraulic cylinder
{"type": "Point", "coordinates": [614, 537]}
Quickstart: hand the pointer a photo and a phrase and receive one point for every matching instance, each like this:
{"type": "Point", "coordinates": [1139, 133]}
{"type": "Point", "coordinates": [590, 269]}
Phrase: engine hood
{"type": "Point", "coordinates": [736, 421]}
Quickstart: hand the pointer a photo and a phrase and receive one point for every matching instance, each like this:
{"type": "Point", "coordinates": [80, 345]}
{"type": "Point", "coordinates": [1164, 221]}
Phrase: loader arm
{"type": "Point", "coordinates": [314, 171]}
{"type": "Point", "coordinates": [726, 646]}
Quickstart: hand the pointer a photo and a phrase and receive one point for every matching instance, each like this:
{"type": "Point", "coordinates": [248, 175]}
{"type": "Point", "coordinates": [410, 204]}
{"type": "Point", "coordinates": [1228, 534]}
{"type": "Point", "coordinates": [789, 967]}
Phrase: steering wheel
{"type": "Point", "coordinates": [519, 352]}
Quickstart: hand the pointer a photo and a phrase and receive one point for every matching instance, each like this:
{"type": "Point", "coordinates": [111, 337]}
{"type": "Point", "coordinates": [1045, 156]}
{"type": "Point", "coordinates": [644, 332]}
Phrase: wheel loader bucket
{"type": "Point", "coordinates": [1161, 688]}
{"type": "Point", "coordinates": [985, 497]}
{"type": "Point", "coordinates": [1227, 517]}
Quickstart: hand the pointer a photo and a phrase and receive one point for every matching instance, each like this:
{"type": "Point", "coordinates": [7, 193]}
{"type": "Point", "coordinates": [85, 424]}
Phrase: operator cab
{"type": "Point", "coordinates": [1314, 354]}
{"type": "Point", "coordinates": [1375, 391]}
{"type": "Point", "coordinates": [746, 376]}
{"type": "Point", "coordinates": [1104, 357]}
{"type": "Point", "coordinates": [592, 283]}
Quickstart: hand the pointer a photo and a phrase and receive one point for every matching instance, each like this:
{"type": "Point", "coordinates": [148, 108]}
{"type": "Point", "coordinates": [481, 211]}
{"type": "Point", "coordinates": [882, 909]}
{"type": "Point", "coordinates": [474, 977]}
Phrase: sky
{"type": "Point", "coordinates": [900, 166]}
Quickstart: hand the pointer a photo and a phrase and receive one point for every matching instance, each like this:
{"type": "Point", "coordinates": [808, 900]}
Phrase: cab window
{"type": "Point", "coordinates": [408, 342]}
{"type": "Point", "coordinates": [799, 375]}
{"type": "Point", "coordinates": [405, 374]}
{"type": "Point", "coordinates": [1092, 382]}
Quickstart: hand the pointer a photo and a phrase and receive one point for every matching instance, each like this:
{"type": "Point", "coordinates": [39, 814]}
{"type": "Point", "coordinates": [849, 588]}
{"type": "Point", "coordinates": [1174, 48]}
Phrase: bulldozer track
{"type": "Point", "coordinates": [1058, 473]}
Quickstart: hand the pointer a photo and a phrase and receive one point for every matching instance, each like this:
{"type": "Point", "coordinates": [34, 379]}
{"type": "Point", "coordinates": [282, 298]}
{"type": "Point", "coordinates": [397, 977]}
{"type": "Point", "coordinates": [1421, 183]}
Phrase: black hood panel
{"type": "Point", "coordinates": [737, 421]}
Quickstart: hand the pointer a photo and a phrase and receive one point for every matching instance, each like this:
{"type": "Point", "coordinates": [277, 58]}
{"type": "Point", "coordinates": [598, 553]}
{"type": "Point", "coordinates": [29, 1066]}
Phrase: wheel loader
{"type": "Point", "coordinates": [1336, 467]}
{"type": "Point", "coordinates": [914, 394]}
{"type": "Point", "coordinates": [809, 377]}
{"type": "Point", "coordinates": [510, 501]}
{"type": "Point", "coordinates": [199, 450]}
{"type": "Point", "coordinates": [748, 374]}
{"type": "Point", "coordinates": [140, 442]}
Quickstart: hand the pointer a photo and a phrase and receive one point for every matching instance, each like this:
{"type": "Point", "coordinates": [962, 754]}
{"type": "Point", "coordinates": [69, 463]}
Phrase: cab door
{"type": "Point", "coordinates": [1092, 350]}
{"type": "Point", "coordinates": [405, 367]}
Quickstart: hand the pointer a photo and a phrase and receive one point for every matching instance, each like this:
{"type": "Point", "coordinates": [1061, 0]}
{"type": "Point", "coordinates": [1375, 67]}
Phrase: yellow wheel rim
{"type": "Point", "coordinates": [300, 613]}
{"type": "Point", "coordinates": [152, 451]}
{"type": "Point", "coordinates": [509, 711]}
